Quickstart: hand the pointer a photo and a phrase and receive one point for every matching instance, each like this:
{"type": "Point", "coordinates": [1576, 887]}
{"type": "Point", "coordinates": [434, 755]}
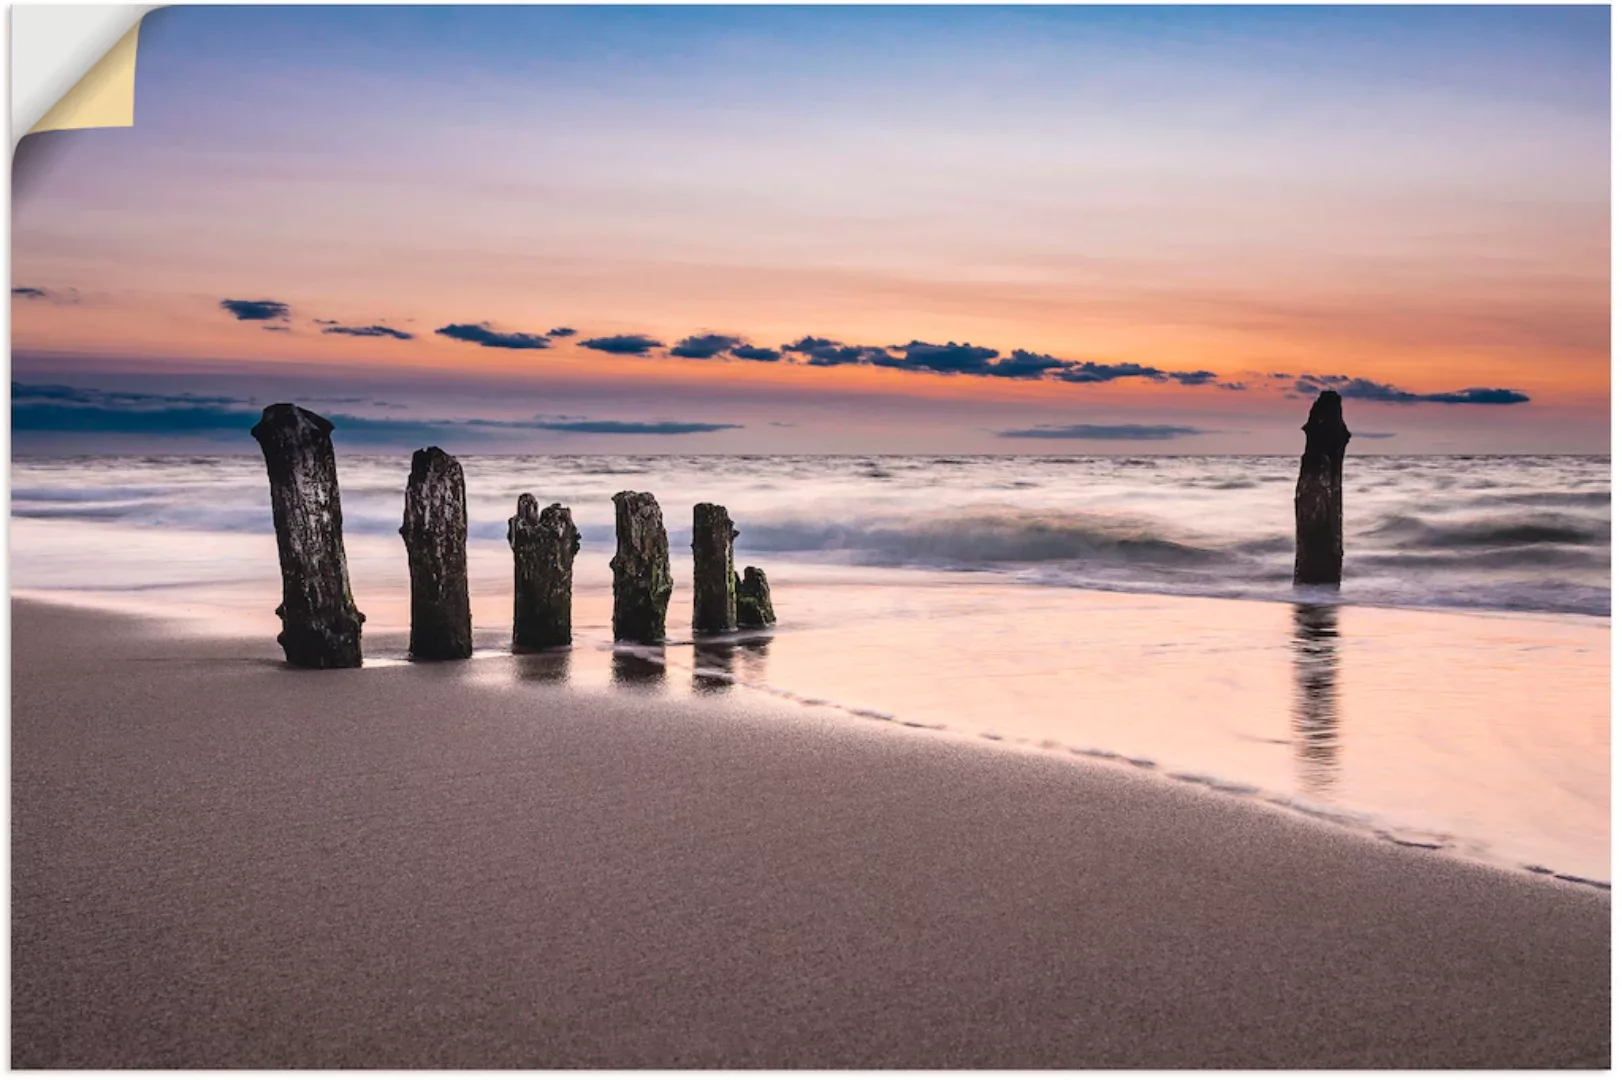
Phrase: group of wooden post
{"type": "Point", "coordinates": [321, 625]}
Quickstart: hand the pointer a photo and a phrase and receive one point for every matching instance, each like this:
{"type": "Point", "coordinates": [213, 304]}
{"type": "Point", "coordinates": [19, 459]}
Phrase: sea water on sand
{"type": "Point", "coordinates": [220, 862]}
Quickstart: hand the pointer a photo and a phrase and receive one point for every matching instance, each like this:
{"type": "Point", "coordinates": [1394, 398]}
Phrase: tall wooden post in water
{"type": "Point", "coordinates": [641, 566]}
{"type": "Point", "coordinates": [435, 532]}
{"type": "Point", "coordinates": [320, 625]}
{"type": "Point", "coordinates": [715, 586]}
{"type": "Point", "coordinates": [1318, 545]}
{"type": "Point", "coordinates": [544, 544]}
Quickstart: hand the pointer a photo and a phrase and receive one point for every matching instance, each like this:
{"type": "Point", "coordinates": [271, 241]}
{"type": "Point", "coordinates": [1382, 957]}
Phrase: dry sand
{"type": "Point", "coordinates": [219, 862]}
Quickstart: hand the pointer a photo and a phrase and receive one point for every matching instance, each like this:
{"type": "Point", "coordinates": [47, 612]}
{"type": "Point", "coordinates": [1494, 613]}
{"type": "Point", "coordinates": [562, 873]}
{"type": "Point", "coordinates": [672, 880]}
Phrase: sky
{"type": "Point", "coordinates": [823, 229]}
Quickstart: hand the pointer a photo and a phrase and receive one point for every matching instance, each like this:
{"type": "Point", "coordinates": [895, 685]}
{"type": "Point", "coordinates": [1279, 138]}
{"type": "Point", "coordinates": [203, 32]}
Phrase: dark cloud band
{"type": "Point", "coordinates": [481, 334]}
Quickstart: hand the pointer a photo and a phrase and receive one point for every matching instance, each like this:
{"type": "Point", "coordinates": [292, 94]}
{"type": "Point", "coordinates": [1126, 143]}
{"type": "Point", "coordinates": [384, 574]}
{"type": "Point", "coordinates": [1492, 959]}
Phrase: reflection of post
{"type": "Point", "coordinates": [753, 656]}
{"type": "Point", "coordinates": [638, 667]}
{"type": "Point", "coordinates": [543, 667]}
{"type": "Point", "coordinates": [1316, 714]}
{"type": "Point", "coordinates": [713, 666]}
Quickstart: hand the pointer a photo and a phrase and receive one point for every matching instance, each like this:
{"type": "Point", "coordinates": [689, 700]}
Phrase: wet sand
{"type": "Point", "coordinates": [218, 862]}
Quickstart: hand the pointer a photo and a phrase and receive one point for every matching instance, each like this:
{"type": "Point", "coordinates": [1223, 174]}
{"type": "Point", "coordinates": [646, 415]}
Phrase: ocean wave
{"type": "Point", "coordinates": [1405, 531]}
{"type": "Point", "coordinates": [982, 537]}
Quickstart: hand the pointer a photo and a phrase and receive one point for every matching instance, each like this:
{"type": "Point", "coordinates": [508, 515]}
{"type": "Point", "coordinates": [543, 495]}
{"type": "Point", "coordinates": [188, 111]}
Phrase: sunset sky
{"type": "Point", "coordinates": [963, 229]}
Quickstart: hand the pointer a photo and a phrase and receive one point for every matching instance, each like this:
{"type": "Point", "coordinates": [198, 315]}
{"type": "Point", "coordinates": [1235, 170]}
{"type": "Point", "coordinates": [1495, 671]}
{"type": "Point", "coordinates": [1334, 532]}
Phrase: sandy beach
{"type": "Point", "coordinates": [220, 862]}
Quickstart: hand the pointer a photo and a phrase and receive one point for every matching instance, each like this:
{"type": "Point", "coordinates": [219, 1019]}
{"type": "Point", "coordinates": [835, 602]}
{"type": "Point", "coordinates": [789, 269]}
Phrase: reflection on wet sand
{"type": "Point", "coordinates": [752, 657]}
{"type": "Point", "coordinates": [551, 666]}
{"type": "Point", "coordinates": [713, 666]}
{"type": "Point", "coordinates": [1315, 715]}
{"type": "Point", "coordinates": [640, 667]}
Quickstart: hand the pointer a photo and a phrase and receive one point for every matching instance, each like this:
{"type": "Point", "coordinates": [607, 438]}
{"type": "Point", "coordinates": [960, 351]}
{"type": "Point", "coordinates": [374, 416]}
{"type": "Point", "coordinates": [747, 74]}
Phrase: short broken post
{"type": "Point", "coordinates": [754, 600]}
{"type": "Point", "coordinates": [320, 625]}
{"type": "Point", "coordinates": [641, 566]}
{"type": "Point", "coordinates": [544, 544]}
{"type": "Point", "coordinates": [715, 587]}
{"type": "Point", "coordinates": [1318, 541]}
{"type": "Point", "coordinates": [435, 532]}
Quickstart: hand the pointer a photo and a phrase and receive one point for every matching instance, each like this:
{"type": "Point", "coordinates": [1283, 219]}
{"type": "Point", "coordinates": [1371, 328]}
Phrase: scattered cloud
{"type": "Point", "coordinates": [256, 310]}
{"type": "Point", "coordinates": [325, 322]}
{"type": "Point", "coordinates": [370, 331]}
{"type": "Point", "coordinates": [278, 329]}
{"type": "Point", "coordinates": [623, 344]}
{"type": "Point", "coordinates": [562, 331]}
{"type": "Point", "coordinates": [1232, 386]}
{"type": "Point", "coordinates": [1374, 434]}
{"type": "Point", "coordinates": [824, 352]}
{"type": "Point", "coordinates": [1104, 432]}
{"type": "Point", "coordinates": [1356, 389]}
{"type": "Point", "coordinates": [704, 346]}
{"type": "Point", "coordinates": [948, 359]}
{"type": "Point", "coordinates": [755, 352]}
{"type": "Point", "coordinates": [481, 334]}
{"type": "Point", "coordinates": [1021, 364]}
{"type": "Point", "coordinates": [28, 292]}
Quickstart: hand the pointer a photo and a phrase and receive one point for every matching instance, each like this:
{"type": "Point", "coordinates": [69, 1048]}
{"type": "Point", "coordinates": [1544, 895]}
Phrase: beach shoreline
{"type": "Point", "coordinates": [221, 862]}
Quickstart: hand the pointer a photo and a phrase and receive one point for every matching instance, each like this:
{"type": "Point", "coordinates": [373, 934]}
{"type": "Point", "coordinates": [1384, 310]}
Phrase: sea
{"type": "Point", "coordinates": [1132, 611]}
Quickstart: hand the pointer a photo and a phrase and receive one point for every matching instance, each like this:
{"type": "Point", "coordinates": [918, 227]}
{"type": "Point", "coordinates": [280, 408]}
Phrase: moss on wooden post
{"type": "Point", "coordinates": [754, 600]}
{"type": "Point", "coordinates": [641, 566]}
{"type": "Point", "coordinates": [544, 544]}
{"type": "Point", "coordinates": [715, 588]}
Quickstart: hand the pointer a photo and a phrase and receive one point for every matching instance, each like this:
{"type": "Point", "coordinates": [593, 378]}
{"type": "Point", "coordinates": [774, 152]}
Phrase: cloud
{"type": "Point", "coordinates": [630, 427]}
{"type": "Point", "coordinates": [562, 331]}
{"type": "Point", "coordinates": [370, 331]}
{"type": "Point", "coordinates": [1193, 378]}
{"type": "Point", "coordinates": [325, 322]}
{"type": "Point", "coordinates": [1355, 389]}
{"type": "Point", "coordinates": [28, 292]}
{"type": "Point", "coordinates": [1104, 432]}
{"type": "Point", "coordinates": [948, 359]}
{"type": "Point", "coordinates": [703, 346]}
{"type": "Point", "coordinates": [481, 334]}
{"type": "Point", "coordinates": [623, 344]}
{"type": "Point", "coordinates": [1027, 365]}
{"type": "Point", "coordinates": [278, 329]}
{"type": "Point", "coordinates": [1374, 434]}
{"type": "Point", "coordinates": [1233, 386]}
{"type": "Point", "coordinates": [755, 352]}
{"type": "Point", "coordinates": [1089, 372]}
{"type": "Point", "coordinates": [77, 395]}
{"type": "Point", "coordinates": [70, 410]}
{"type": "Point", "coordinates": [256, 310]}
{"type": "Point", "coordinates": [823, 352]}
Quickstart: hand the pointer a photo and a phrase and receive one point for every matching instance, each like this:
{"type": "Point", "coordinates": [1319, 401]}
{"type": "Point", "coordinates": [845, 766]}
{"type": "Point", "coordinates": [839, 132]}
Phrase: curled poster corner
{"type": "Point", "coordinates": [104, 97]}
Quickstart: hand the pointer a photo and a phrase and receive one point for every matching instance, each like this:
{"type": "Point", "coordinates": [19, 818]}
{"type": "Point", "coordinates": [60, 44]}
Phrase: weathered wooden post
{"type": "Point", "coordinates": [715, 585]}
{"type": "Point", "coordinates": [754, 600]}
{"type": "Point", "coordinates": [1318, 550]}
{"type": "Point", "coordinates": [320, 625]}
{"type": "Point", "coordinates": [435, 532]}
{"type": "Point", "coordinates": [641, 566]}
{"type": "Point", "coordinates": [544, 544]}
